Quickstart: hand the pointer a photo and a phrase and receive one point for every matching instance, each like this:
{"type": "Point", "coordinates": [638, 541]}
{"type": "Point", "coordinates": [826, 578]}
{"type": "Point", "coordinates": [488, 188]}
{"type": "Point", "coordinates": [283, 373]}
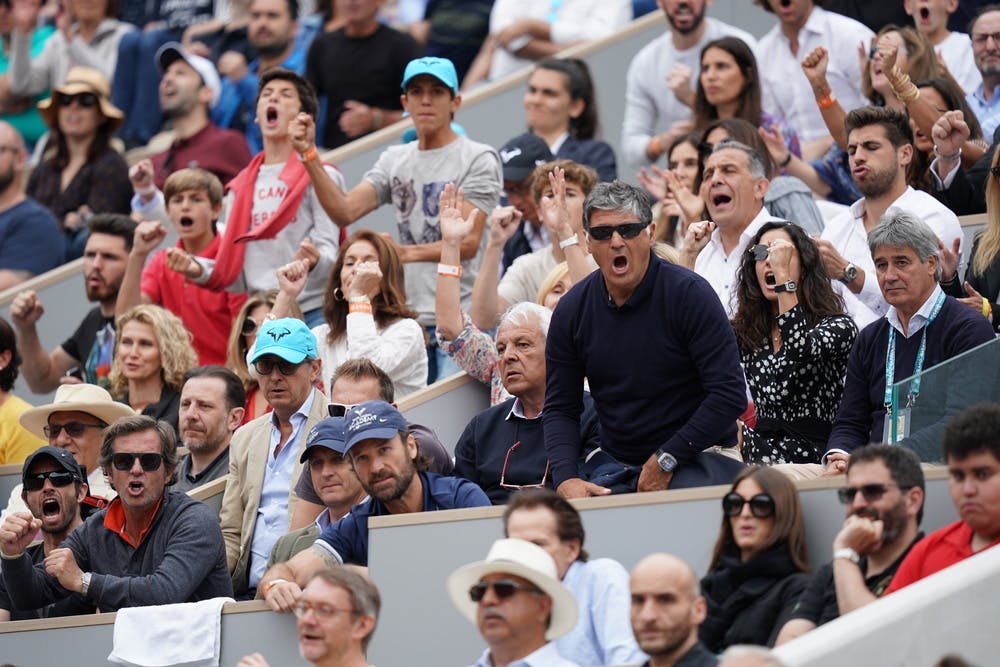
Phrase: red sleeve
{"type": "Point", "coordinates": [912, 567]}
{"type": "Point", "coordinates": [152, 277]}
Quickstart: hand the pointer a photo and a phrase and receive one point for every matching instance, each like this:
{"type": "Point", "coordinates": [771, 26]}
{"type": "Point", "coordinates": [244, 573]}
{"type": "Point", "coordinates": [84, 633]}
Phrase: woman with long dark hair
{"type": "Point", "coordinates": [794, 339]}
{"type": "Point", "coordinates": [80, 173]}
{"type": "Point", "coordinates": [561, 108]}
{"type": "Point", "coordinates": [759, 562]}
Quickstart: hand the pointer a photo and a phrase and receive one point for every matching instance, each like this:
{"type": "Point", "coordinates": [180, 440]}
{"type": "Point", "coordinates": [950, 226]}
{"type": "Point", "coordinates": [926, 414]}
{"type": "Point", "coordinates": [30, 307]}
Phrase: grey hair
{"type": "Point", "coordinates": [620, 197]}
{"type": "Point", "coordinates": [527, 313]}
{"type": "Point", "coordinates": [754, 160]}
{"type": "Point", "coordinates": [906, 230]}
{"type": "Point", "coordinates": [365, 598]}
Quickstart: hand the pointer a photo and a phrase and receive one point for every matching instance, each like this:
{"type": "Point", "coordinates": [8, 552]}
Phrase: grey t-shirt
{"type": "Point", "coordinates": [412, 180]}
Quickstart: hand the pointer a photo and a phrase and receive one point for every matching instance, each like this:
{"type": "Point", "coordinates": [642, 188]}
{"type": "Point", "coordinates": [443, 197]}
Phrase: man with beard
{"type": "Point", "coordinates": [884, 498]}
{"type": "Point", "coordinates": [384, 456]}
{"type": "Point", "coordinates": [657, 114]}
{"type": "Point", "coordinates": [271, 34]}
{"type": "Point", "coordinates": [880, 146]}
{"type": "Point", "coordinates": [53, 484]}
{"type": "Point", "coordinates": [667, 608]}
{"type": "Point", "coordinates": [211, 409]}
{"type": "Point", "coordinates": [785, 92]}
{"type": "Point", "coordinates": [89, 351]}
{"type": "Point", "coordinates": [190, 87]}
{"type": "Point", "coordinates": [30, 240]}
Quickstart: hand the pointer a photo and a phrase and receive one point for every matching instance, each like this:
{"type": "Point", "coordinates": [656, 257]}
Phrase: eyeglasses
{"type": "Point", "coordinates": [126, 460]}
{"type": "Point", "coordinates": [85, 100]}
{"type": "Point", "coordinates": [323, 612]}
{"type": "Point", "coordinates": [338, 409]}
{"type": "Point", "coordinates": [249, 326]}
{"type": "Point", "coordinates": [759, 252]}
{"type": "Point", "coordinates": [73, 429]}
{"type": "Point", "coordinates": [266, 366]}
{"type": "Point", "coordinates": [58, 478]}
{"type": "Point", "coordinates": [502, 588]}
{"type": "Point", "coordinates": [626, 230]}
{"type": "Point", "coordinates": [871, 492]}
{"type": "Point", "coordinates": [980, 39]}
{"type": "Point", "coordinates": [761, 505]}
{"type": "Point", "coordinates": [515, 487]}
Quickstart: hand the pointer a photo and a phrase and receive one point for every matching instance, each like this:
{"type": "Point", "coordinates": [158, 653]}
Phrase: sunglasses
{"type": "Point", "coordinates": [73, 429]}
{"type": "Point", "coordinates": [627, 230]}
{"type": "Point", "coordinates": [338, 409]}
{"type": "Point", "coordinates": [58, 478]}
{"type": "Point", "coordinates": [266, 366]}
{"type": "Point", "coordinates": [761, 505]}
{"type": "Point", "coordinates": [126, 460]}
{"type": "Point", "coordinates": [249, 326]}
{"type": "Point", "coordinates": [759, 252]}
{"type": "Point", "coordinates": [871, 492]}
{"type": "Point", "coordinates": [502, 588]}
{"type": "Point", "coordinates": [85, 100]}
{"type": "Point", "coordinates": [515, 487]}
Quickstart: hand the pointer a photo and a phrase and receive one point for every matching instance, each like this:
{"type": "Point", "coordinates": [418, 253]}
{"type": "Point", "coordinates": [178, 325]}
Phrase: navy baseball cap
{"type": "Point", "coordinates": [441, 69]}
{"type": "Point", "coordinates": [327, 433]}
{"type": "Point", "coordinates": [61, 456]}
{"type": "Point", "coordinates": [522, 154]}
{"type": "Point", "coordinates": [373, 420]}
{"type": "Point", "coordinates": [288, 338]}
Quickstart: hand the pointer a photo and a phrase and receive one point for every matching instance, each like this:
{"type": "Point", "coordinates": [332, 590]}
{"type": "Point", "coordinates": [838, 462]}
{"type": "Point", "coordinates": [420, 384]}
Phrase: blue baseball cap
{"type": "Point", "coordinates": [373, 420]}
{"type": "Point", "coordinates": [329, 433]}
{"type": "Point", "coordinates": [441, 69]}
{"type": "Point", "coordinates": [288, 338]}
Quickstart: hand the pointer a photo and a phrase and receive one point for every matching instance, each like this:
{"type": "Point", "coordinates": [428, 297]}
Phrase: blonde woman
{"type": "Point", "coordinates": [152, 353]}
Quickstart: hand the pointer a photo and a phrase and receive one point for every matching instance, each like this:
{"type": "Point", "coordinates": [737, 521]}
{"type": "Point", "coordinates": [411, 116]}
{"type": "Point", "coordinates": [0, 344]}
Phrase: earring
{"type": "Point", "coordinates": [338, 294]}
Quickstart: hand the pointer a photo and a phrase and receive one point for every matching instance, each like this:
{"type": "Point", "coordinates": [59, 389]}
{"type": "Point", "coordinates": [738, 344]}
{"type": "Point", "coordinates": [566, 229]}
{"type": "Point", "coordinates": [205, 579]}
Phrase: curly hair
{"type": "Point", "coordinates": [388, 306]}
{"type": "Point", "coordinates": [789, 524]}
{"type": "Point", "coordinates": [173, 338]}
{"type": "Point", "coordinates": [8, 341]}
{"type": "Point", "coordinates": [754, 314]}
{"type": "Point", "coordinates": [749, 107]}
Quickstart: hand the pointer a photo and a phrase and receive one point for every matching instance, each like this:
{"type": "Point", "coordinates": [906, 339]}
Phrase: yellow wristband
{"type": "Point", "coordinates": [987, 308]}
{"type": "Point", "coordinates": [310, 155]}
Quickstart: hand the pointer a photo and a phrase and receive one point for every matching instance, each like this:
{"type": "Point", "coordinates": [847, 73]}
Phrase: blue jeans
{"type": "Point", "coordinates": [439, 364]}
{"type": "Point", "coordinates": [136, 85]}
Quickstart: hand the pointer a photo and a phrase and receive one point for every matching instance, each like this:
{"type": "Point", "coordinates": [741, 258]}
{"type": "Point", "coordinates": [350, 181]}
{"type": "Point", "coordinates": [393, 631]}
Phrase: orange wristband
{"type": "Point", "coordinates": [826, 101]}
{"type": "Point", "coordinates": [450, 270]}
{"type": "Point", "coordinates": [310, 155]}
{"type": "Point", "coordinates": [360, 307]}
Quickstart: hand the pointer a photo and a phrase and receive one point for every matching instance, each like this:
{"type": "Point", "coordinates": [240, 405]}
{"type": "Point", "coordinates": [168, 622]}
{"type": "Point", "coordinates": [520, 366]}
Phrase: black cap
{"type": "Point", "coordinates": [522, 154]}
{"type": "Point", "coordinates": [57, 454]}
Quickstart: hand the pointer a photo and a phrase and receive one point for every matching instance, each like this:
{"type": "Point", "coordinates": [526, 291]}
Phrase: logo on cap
{"type": "Point", "coordinates": [509, 154]}
{"type": "Point", "coordinates": [278, 334]}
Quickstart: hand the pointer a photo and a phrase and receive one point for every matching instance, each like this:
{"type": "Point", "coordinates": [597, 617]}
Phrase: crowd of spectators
{"type": "Point", "coordinates": [794, 250]}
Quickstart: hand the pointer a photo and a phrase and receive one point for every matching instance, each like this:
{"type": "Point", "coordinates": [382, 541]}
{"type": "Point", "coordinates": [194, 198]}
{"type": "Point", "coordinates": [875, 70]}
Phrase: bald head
{"type": "Point", "coordinates": [13, 157]}
{"type": "Point", "coordinates": [10, 137]}
{"type": "Point", "coordinates": [667, 606]}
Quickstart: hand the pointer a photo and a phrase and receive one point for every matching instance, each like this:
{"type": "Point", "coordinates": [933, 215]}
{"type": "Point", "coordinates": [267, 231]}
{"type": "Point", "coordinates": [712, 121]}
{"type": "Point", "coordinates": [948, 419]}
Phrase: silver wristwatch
{"type": "Point", "coordinates": [666, 460]}
{"type": "Point", "coordinates": [850, 273]}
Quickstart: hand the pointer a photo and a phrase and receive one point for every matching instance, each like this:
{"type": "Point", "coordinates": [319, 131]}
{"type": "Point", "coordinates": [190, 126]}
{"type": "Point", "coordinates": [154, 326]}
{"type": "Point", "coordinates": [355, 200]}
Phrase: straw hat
{"type": "Point", "coordinates": [522, 559]}
{"type": "Point", "coordinates": [83, 80]}
{"type": "Point", "coordinates": [87, 398]}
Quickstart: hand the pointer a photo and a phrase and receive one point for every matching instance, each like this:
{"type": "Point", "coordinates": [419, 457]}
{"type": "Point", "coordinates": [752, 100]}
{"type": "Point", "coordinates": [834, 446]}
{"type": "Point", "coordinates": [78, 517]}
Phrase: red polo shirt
{"type": "Point", "coordinates": [940, 549]}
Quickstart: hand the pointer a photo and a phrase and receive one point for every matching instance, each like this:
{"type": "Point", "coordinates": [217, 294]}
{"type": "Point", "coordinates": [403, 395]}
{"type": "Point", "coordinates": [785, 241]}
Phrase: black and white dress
{"type": "Point", "coordinates": [797, 389]}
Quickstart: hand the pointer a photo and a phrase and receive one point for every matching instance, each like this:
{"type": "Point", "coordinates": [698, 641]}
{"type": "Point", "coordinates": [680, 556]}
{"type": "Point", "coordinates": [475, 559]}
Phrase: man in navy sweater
{"type": "Point", "coordinates": [659, 353]}
{"type": "Point", "coordinates": [923, 328]}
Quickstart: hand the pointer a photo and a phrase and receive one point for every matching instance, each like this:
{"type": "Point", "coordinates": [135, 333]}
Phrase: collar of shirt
{"type": "Point", "coordinates": [979, 95]}
{"type": "Point", "coordinates": [763, 215]}
{"type": "Point", "coordinates": [537, 238]}
{"type": "Point", "coordinates": [919, 318]}
{"type": "Point", "coordinates": [298, 419]}
{"type": "Point", "coordinates": [546, 656]}
{"type": "Point", "coordinates": [185, 467]}
{"type": "Point", "coordinates": [558, 143]}
{"type": "Point", "coordinates": [517, 411]}
{"type": "Point", "coordinates": [900, 203]}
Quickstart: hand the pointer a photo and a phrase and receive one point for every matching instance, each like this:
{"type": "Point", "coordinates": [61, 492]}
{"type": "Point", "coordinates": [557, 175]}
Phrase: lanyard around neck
{"type": "Point", "coordinates": [918, 365]}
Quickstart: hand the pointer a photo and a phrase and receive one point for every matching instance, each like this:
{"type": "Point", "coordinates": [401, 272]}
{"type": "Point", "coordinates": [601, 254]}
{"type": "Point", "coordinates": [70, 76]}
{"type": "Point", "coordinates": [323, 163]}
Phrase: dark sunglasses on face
{"type": "Point", "coordinates": [57, 477]}
{"type": "Point", "coordinates": [871, 492]}
{"type": "Point", "coordinates": [761, 505]}
{"type": "Point", "coordinates": [126, 460]}
{"type": "Point", "coordinates": [759, 252]}
{"type": "Point", "coordinates": [73, 429]}
{"type": "Point", "coordinates": [338, 409]}
{"type": "Point", "coordinates": [266, 366]}
{"type": "Point", "coordinates": [626, 230]}
{"type": "Point", "coordinates": [249, 326]}
{"type": "Point", "coordinates": [85, 100]}
{"type": "Point", "coordinates": [502, 588]}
